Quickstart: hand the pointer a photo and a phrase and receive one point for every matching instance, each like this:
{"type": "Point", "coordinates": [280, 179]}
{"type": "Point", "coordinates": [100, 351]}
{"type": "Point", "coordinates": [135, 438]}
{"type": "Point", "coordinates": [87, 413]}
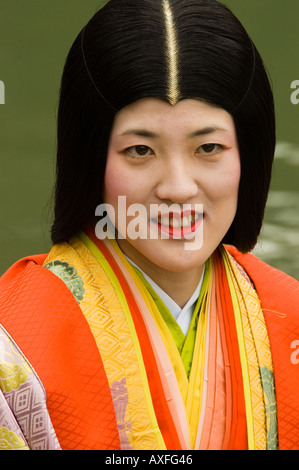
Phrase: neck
{"type": "Point", "coordinates": [179, 286]}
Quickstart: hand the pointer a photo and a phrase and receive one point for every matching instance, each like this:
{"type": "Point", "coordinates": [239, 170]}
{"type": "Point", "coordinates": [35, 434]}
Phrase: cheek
{"type": "Point", "coordinates": [231, 182]}
{"type": "Point", "coordinates": [121, 180]}
{"type": "Point", "coordinates": [116, 182]}
{"type": "Point", "coordinates": [226, 184]}
{"type": "Point", "coordinates": [235, 176]}
{"type": "Point", "coordinates": [111, 183]}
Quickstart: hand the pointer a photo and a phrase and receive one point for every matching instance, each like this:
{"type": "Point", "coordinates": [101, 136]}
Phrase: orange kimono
{"type": "Point", "coordinates": [82, 335]}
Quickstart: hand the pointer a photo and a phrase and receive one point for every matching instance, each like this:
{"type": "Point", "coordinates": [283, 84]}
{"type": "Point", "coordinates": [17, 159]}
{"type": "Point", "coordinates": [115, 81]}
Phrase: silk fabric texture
{"type": "Point", "coordinates": [213, 389]}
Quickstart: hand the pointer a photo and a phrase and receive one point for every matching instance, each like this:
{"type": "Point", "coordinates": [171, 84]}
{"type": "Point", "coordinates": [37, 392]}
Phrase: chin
{"type": "Point", "coordinates": [182, 262]}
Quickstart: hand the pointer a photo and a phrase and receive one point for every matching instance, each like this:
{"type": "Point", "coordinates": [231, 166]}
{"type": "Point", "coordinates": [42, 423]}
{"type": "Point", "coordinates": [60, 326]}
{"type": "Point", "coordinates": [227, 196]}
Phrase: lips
{"type": "Point", "coordinates": [179, 221]}
{"type": "Point", "coordinates": [179, 225]}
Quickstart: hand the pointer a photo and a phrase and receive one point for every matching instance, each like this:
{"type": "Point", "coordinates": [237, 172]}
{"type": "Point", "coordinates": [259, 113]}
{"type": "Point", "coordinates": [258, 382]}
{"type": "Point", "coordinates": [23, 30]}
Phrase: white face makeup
{"type": "Point", "coordinates": [184, 155]}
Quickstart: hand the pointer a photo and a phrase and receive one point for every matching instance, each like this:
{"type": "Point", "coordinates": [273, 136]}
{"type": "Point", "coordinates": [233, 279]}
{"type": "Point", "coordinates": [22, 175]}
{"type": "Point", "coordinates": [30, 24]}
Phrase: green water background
{"type": "Point", "coordinates": [35, 37]}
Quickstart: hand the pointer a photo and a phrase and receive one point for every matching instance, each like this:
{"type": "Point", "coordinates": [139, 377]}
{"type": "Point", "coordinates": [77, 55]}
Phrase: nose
{"type": "Point", "coordinates": [177, 182]}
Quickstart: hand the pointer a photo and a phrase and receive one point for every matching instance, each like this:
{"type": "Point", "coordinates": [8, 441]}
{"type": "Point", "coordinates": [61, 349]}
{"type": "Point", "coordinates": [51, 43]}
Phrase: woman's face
{"type": "Point", "coordinates": [160, 155]}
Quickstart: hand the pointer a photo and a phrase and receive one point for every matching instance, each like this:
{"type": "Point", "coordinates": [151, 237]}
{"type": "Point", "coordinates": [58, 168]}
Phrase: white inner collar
{"type": "Point", "coordinates": [181, 315]}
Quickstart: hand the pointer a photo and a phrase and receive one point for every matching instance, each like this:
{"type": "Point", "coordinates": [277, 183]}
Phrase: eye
{"type": "Point", "coordinates": [139, 151]}
{"type": "Point", "coordinates": [210, 149]}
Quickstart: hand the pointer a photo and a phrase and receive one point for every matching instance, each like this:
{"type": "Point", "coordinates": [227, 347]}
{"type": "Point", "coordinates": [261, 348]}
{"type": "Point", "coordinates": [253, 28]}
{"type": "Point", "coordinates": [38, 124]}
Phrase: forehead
{"type": "Point", "coordinates": [155, 115]}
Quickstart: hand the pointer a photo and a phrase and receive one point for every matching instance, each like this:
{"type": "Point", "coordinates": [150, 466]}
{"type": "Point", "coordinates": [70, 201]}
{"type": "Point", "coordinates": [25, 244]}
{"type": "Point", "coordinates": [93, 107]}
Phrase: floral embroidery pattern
{"type": "Point", "coordinates": [24, 418]}
{"type": "Point", "coordinates": [267, 377]}
{"type": "Point", "coordinates": [9, 440]}
{"type": "Point", "coordinates": [12, 376]}
{"type": "Point", "coordinates": [69, 275]}
{"type": "Point", "coordinates": [120, 401]}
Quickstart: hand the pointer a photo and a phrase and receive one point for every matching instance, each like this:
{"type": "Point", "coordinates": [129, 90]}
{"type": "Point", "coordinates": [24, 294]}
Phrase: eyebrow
{"type": "Point", "coordinates": [140, 132]}
{"type": "Point", "coordinates": [197, 133]}
{"type": "Point", "coordinates": [206, 131]}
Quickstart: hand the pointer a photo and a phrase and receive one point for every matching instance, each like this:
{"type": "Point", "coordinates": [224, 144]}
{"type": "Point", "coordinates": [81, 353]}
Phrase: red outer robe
{"type": "Point", "coordinates": [44, 319]}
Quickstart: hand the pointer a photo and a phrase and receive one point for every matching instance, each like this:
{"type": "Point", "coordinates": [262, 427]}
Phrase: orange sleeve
{"type": "Point", "coordinates": [279, 296]}
{"type": "Point", "coordinates": [44, 319]}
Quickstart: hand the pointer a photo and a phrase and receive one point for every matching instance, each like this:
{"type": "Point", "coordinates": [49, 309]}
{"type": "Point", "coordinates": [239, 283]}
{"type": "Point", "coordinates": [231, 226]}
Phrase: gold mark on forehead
{"type": "Point", "coordinates": [172, 54]}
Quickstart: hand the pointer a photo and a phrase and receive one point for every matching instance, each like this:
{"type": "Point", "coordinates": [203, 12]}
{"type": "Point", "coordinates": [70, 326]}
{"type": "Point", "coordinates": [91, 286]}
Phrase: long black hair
{"type": "Point", "coordinates": [172, 50]}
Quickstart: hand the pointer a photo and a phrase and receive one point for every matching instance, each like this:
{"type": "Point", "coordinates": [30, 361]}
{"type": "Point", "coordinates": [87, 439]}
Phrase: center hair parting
{"type": "Point", "coordinates": [172, 54]}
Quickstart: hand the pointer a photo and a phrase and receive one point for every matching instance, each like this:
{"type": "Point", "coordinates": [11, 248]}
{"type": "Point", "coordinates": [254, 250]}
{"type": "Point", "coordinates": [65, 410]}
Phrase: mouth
{"type": "Point", "coordinates": [179, 225]}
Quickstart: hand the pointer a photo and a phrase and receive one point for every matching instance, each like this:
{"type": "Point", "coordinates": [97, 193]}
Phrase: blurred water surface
{"type": "Point", "coordinates": [279, 241]}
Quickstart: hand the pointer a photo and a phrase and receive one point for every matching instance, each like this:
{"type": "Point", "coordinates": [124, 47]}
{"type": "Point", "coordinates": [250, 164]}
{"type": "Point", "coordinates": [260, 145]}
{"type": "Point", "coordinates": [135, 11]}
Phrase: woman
{"type": "Point", "coordinates": [154, 328]}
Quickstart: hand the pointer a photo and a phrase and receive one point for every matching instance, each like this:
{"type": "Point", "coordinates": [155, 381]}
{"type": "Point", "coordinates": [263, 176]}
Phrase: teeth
{"type": "Point", "coordinates": [187, 220]}
{"type": "Point", "coordinates": [176, 222]}
{"type": "Point", "coordinates": [166, 221]}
